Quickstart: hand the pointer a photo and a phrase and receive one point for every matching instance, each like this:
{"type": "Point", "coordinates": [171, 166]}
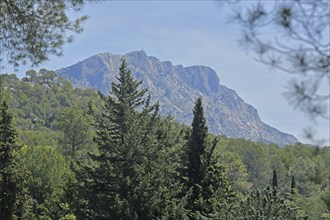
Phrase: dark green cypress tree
{"type": "Point", "coordinates": [207, 181]}
{"type": "Point", "coordinates": [14, 197]}
{"type": "Point", "coordinates": [293, 186]}
{"type": "Point", "coordinates": [274, 180]}
{"type": "Point", "coordinates": [195, 152]}
{"type": "Point", "coordinates": [197, 145]}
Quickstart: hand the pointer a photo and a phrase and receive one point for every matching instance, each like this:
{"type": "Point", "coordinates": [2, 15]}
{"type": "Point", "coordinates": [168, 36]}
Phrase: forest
{"type": "Point", "coordinates": [70, 153]}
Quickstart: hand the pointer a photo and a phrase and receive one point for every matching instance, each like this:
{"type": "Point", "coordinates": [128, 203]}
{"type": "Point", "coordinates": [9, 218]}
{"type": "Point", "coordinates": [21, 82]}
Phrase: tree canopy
{"type": "Point", "coordinates": [14, 198]}
{"type": "Point", "coordinates": [299, 44]}
{"type": "Point", "coordinates": [32, 30]}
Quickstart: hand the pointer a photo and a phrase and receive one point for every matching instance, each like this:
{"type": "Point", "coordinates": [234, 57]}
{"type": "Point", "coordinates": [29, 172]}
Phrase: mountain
{"type": "Point", "coordinates": [176, 87]}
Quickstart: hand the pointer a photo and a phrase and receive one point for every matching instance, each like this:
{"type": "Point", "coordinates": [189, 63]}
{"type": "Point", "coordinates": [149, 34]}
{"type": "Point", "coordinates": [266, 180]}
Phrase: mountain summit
{"type": "Point", "coordinates": [177, 87]}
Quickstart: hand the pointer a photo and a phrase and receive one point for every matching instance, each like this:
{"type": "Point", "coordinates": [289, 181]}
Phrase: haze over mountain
{"type": "Point", "coordinates": [176, 88]}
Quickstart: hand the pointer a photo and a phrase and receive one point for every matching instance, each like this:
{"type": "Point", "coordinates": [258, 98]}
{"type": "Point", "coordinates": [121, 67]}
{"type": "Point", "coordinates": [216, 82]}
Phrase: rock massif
{"type": "Point", "coordinates": [176, 87]}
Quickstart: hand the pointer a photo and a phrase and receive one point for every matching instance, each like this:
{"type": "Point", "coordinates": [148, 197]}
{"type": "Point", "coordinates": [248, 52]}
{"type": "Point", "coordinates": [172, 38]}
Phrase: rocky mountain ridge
{"type": "Point", "coordinates": [176, 87]}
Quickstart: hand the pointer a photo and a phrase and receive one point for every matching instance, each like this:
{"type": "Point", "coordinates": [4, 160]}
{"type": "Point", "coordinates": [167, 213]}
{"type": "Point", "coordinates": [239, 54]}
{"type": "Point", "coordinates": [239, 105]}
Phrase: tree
{"type": "Point", "coordinates": [293, 186]}
{"type": "Point", "coordinates": [49, 180]}
{"type": "Point", "coordinates": [255, 159]}
{"type": "Point", "coordinates": [264, 204]}
{"type": "Point", "coordinates": [207, 179]}
{"type": "Point", "coordinates": [171, 143]}
{"type": "Point", "coordinates": [50, 76]}
{"type": "Point", "coordinates": [3, 92]}
{"type": "Point", "coordinates": [32, 30]}
{"type": "Point", "coordinates": [236, 171]}
{"type": "Point", "coordinates": [31, 75]}
{"type": "Point", "coordinates": [127, 180]}
{"type": "Point", "coordinates": [274, 180]}
{"type": "Point", "coordinates": [197, 145]}
{"type": "Point", "coordinates": [313, 207]}
{"type": "Point", "coordinates": [75, 131]}
{"type": "Point", "coordinates": [299, 45]}
{"type": "Point", "coordinates": [14, 199]}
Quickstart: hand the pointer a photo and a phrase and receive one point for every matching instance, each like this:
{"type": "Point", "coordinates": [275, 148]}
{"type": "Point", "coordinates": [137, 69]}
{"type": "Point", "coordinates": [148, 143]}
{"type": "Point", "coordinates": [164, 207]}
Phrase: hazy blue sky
{"type": "Point", "coordinates": [188, 33]}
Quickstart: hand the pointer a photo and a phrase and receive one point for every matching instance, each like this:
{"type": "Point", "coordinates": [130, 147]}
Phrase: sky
{"type": "Point", "coordinates": [187, 33]}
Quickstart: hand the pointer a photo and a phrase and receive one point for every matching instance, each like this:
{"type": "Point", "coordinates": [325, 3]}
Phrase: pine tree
{"type": "Point", "coordinates": [74, 132]}
{"type": "Point", "coordinates": [127, 177]}
{"type": "Point", "coordinates": [14, 198]}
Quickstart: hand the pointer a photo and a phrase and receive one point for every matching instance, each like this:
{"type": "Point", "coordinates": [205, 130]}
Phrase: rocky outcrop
{"type": "Point", "coordinates": [176, 87]}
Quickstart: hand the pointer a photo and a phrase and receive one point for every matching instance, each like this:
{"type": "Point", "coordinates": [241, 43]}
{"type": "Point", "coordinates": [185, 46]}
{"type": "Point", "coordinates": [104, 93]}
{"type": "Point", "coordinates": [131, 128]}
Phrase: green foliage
{"type": "Point", "coordinates": [207, 179]}
{"type": "Point", "coordinates": [37, 102]}
{"type": "Point", "coordinates": [255, 158]}
{"type": "Point", "coordinates": [42, 137]}
{"type": "Point", "coordinates": [171, 169]}
{"type": "Point", "coordinates": [274, 180]}
{"type": "Point", "coordinates": [128, 181]}
{"type": "Point", "coordinates": [197, 145]}
{"type": "Point", "coordinates": [300, 46]}
{"type": "Point", "coordinates": [311, 173]}
{"type": "Point", "coordinates": [66, 212]}
{"type": "Point", "coordinates": [293, 186]}
{"type": "Point", "coordinates": [236, 171]}
{"type": "Point", "coordinates": [310, 169]}
{"type": "Point", "coordinates": [312, 206]}
{"type": "Point", "coordinates": [140, 169]}
{"type": "Point", "coordinates": [50, 176]}
{"type": "Point", "coordinates": [264, 204]}
{"type": "Point", "coordinates": [3, 91]}
{"type": "Point", "coordinates": [14, 198]}
{"type": "Point", "coordinates": [75, 133]}
{"type": "Point", "coordinates": [31, 30]}
{"type": "Point", "coordinates": [326, 198]}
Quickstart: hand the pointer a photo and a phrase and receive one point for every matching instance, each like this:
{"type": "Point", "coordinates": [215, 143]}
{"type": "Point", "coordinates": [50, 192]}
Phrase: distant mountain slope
{"type": "Point", "coordinates": [176, 87]}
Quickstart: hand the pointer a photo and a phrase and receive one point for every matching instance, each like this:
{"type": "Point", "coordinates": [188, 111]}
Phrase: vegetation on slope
{"type": "Point", "coordinates": [83, 155]}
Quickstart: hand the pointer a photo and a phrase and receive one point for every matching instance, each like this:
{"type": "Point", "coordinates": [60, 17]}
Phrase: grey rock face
{"type": "Point", "coordinates": [177, 87]}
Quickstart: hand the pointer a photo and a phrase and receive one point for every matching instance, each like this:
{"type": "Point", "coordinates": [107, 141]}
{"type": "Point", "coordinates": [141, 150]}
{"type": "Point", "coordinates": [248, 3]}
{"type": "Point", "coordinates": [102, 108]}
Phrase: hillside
{"type": "Point", "coordinates": [176, 87]}
{"type": "Point", "coordinates": [50, 115]}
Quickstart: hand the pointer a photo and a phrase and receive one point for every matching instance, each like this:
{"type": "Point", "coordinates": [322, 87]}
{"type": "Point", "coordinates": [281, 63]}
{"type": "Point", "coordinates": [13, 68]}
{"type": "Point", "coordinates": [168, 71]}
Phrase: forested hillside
{"type": "Point", "coordinates": [72, 153]}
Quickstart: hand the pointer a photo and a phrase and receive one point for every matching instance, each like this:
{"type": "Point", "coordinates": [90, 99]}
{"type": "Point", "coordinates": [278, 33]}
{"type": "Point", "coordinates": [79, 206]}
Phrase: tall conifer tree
{"type": "Point", "coordinates": [125, 183]}
{"type": "Point", "coordinates": [207, 180]}
{"type": "Point", "coordinates": [13, 176]}
{"type": "Point", "coordinates": [197, 145]}
{"type": "Point", "coordinates": [274, 180]}
{"type": "Point", "coordinates": [293, 186]}
{"type": "Point", "coordinates": [196, 150]}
